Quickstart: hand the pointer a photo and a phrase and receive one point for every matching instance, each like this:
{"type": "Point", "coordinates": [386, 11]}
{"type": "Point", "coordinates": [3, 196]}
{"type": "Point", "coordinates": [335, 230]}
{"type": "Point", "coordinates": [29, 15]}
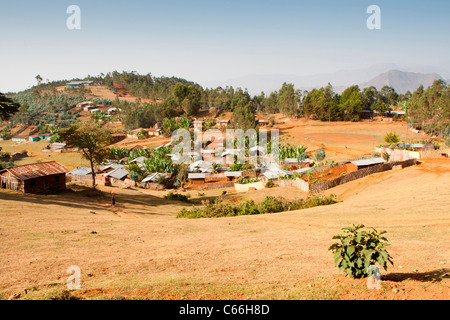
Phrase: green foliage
{"type": "Point", "coordinates": [170, 125]}
{"type": "Point", "coordinates": [298, 152]}
{"type": "Point", "coordinates": [269, 184]}
{"type": "Point", "coordinates": [91, 140]}
{"type": "Point", "coordinates": [236, 167]}
{"type": "Point", "coordinates": [386, 156]}
{"type": "Point", "coordinates": [143, 134]}
{"type": "Point", "coordinates": [242, 180]}
{"type": "Point", "coordinates": [391, 137]}
{"type": "Point", "coordinates": [176, 197]}
{"type": "Point", "coordinates": [429, 109]}
{"type": "Point", "coordinates": [320, 154]}
{"type": "Point", "coordinates": [270, 204]}
{"type": "Point", "coordinates": [357, 250]}
{"type": "Point", "coordinates": [7, 107]}
{"type": "Point", "coordinates": [244, 116]}
{"type": "Point", "coordinates": [350, 103]}
{"type": "Point", "coordinates": [136, 173]}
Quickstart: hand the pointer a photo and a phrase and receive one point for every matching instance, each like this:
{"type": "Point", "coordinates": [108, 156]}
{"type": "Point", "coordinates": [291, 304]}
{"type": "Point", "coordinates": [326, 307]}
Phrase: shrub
{"type": "Point", "coordinates": [143, 134]}
{"type": "Point", "coordinates": [242, 180]}
{"type": "Point", "coordinates": [176, 196]}
{"type": "Point", "coordinates": [391, 137]}
{"type": "Point", "coordinates": [320, 154]}
{"type": "Point", "coordinates": [357, 250]}
{"type": "Point", "coordinates": [270, 184]}
{"type": "Point", "coordinates": [270, 204]}
{"type": "Point", "coordinates": [386, 156]}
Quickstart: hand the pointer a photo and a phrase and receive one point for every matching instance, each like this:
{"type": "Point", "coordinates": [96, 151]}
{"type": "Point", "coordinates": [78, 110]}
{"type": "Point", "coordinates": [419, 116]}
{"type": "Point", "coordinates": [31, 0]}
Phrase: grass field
{"type": "Point", "coordinates": [140, 250]}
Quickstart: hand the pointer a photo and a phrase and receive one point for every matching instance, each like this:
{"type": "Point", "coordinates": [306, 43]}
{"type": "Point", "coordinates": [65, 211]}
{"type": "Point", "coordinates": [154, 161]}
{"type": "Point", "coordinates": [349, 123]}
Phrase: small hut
{"type": "Point", "coordinates": [35, 177]}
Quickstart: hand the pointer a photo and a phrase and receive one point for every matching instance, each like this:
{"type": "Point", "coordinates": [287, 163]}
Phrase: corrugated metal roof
{"type": "Point", "coordinates": [36, 170]}
{"type": "Point", "coordinates": [139, 160]}
{"type": "Point", "coordinates": [200, 164]}
{"type": "Point", "coordinates": [271, 175]}
{"type": "Point", "coordinates": [81, 171]}
{"type": "Point", "coordinates": [303, 170]}
{"type": "Point", "coordinates": [196, 175]}
{"type": "Point", "coordinates": [368, 162]}
{"type": "Point", "coordinates": [233, 173]}
{"type": "Point", "coordinates": [231, 152]}
{"type": "Point", "coordinates": [154, 177]}
{"type": "Point", "coordinates": [114, 166]}
{"type": "Point", "coordinates": [295, 160]}
{"type": "Point", "coordinates": [118, 174]}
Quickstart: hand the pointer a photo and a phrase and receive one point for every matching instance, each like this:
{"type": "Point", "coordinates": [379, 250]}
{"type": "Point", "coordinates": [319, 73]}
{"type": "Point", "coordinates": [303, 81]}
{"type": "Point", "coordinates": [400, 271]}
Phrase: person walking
{"type": "Point", "coordinates": [113, 200]}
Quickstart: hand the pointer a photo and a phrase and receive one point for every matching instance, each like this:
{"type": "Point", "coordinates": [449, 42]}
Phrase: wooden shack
{"type": "Point", "coordinates": [34, 178]}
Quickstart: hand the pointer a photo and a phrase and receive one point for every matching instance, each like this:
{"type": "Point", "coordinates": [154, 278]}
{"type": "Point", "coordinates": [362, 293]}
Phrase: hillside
{"type": "Point", "coordinates": [402, 81]}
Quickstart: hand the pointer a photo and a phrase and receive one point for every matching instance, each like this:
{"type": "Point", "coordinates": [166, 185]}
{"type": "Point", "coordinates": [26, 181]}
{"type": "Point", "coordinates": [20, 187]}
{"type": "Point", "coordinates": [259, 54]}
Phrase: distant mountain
{"type": "Point", "coordinates": [255, 83]}
{"type": "Point", "coordinates": [402, 81]}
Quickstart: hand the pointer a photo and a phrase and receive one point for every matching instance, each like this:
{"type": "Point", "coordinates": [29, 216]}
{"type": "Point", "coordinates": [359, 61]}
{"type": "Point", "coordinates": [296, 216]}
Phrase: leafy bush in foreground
{"type": "Point", "coordinates": [357, 250]}
{"type": "Point", "coordinates": [270, 204]}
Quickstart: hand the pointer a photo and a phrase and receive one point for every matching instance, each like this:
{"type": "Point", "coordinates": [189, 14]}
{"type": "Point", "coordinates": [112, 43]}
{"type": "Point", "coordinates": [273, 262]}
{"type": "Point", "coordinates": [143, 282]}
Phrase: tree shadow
{"type": "Point", "coordinates": [430, 276]}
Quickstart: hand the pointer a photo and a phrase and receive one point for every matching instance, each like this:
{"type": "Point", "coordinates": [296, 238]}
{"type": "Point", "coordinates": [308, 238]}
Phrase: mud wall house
{"type": "Point", "coordinates": [232, 175]}
{"type": "Point", "coordinates": [117, 176]}
{"type": "Point", "coordinates": [295, 164]}
{"type": "Point", "coordinates": [58, 146]}
{"type": "Point", "coordinates": [34, 137]}
{"type": "Point", "coordinates": [80, 174]}
{"type": "Point", "coordinates": [154, 132]}
{"type": "Point", "coordinates": [197, 178]}
{"type": "Point", "coordinates": [34, 178]}
{"type": "Point", "coordinates": [110, 167]}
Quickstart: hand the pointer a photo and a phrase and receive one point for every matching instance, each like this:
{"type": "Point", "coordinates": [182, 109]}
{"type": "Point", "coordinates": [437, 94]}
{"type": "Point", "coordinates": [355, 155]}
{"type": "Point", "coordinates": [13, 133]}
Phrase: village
{"type": "Point", "coordinates": [214, 167]}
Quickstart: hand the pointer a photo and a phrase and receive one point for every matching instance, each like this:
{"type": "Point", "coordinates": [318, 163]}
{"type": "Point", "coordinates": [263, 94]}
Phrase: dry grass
{"type": "Point", "coordinates": [140, 250]}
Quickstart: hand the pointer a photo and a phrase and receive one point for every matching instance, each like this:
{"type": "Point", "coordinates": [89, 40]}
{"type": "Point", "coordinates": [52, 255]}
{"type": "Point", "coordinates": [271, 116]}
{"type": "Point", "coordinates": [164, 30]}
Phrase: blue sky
{"type": "Point", "coordinates": [216, 40]}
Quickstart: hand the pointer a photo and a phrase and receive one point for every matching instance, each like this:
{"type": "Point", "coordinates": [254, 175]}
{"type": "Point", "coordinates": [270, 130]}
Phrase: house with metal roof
{"type": "Point", "coordinates": [118, 174]}
{"type": "Point", "coordinates": [34, 177]}
{"type": "Point", "coordinates": [139, 160]}
{"type": "Point", "coordinates": [153, 177]}
{"type": "Point", "coordinates": [197, 178]}
{"type": "Point", "coordinates": [19, 139]}
{"type": "Point", "coordinates": [34, 137]}
{"type": "Point", "coordinates": [364, 163]}
{"type": "Point", "coordinates": [81, 171]}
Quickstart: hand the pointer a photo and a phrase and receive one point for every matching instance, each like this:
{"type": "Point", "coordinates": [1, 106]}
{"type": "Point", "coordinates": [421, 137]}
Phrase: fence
{"type": "Point", "coordinates": [325, 185]}
{"type": "Point", "coordinates": [243, 187]}
{"type": "Point", "coordinates": [298, 183]}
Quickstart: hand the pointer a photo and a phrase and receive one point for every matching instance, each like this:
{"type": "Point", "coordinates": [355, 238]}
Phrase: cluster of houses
{"type": "Point", "coordinates": [33, 138]}
{"type": "Point", "coordinates": [91, 107]}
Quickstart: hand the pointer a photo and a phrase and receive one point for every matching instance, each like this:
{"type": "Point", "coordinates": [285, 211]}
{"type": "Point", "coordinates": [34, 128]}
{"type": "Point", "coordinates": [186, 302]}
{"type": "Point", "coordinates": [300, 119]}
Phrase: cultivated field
{"type": "Point", "coordinates": [141, 250]}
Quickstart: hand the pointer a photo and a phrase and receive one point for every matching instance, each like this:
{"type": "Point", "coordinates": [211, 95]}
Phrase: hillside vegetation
{"type": "Point", "coordinates": [161, 98]}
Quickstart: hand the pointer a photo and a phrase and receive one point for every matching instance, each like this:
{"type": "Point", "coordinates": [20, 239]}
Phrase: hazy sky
{"type": "Point", "coordinates": [216, 40]}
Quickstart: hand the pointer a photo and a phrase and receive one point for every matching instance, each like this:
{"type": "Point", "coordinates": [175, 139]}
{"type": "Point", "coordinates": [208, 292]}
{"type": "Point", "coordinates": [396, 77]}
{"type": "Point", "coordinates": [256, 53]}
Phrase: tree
{"type": "Point", "coordinates": [91, 139]}
{"type": "Point", "coordinates": [288, 99]}
{"type": "Point", "coordinates": [7, 107]}
{"type": "Point", "coordinates": [391, 137]}
{"type": "Point", "coordinates": [351, 103]}
{"type": "Point", "coordinates": [39, 79]}
{"type": "Point", "coordinates": [244, 117]}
